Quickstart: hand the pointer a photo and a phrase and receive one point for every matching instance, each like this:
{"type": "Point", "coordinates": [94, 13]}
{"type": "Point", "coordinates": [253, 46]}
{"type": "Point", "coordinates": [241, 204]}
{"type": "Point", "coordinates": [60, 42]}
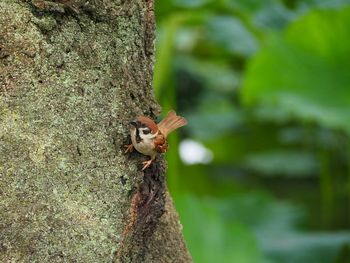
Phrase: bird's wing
{"type": "Point", "coordinates": [160, 143]}
{"type": "Point", "coordinates": [171, 122]}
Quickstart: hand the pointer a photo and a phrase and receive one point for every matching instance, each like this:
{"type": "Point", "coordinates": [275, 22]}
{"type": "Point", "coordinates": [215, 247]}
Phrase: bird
{"type": "Point", "coordinates": [149, 138]}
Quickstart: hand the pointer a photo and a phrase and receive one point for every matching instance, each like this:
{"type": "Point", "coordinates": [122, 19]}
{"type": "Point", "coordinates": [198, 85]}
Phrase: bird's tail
{"type": "Point", "coordinates": [171, 122]}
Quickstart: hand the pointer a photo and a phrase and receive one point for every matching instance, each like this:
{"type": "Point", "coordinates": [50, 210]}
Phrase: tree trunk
{"type": "Point", "coordinates": [73, 73]}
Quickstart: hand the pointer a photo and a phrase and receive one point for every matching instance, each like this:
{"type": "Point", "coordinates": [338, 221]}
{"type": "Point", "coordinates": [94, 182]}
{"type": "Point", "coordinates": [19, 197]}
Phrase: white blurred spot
{"type": "Point", "coordinates": [192, 152]}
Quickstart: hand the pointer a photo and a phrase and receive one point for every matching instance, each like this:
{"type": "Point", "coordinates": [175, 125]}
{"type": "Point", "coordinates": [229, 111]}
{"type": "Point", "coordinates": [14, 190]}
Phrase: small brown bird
{"type": "Point", "coordinates": [149, 138]}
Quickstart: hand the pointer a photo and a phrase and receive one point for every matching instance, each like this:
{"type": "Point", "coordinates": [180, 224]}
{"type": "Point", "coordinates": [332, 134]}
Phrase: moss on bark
{"type": "Point", "coordinates": [72, 74]}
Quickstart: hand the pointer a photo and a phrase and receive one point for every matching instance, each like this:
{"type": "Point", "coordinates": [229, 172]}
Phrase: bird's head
{"type": "Point", "coordinates": [145, 128]}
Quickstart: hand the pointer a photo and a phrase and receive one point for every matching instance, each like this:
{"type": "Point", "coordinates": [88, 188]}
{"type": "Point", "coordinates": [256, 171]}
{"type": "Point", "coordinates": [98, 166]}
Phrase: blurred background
{"type": "Point", "coordinates": [262, 171]}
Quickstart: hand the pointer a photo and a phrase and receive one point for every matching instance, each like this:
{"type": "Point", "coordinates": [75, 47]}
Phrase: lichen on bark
{"type": "Point", "coordinates": [72, 74]}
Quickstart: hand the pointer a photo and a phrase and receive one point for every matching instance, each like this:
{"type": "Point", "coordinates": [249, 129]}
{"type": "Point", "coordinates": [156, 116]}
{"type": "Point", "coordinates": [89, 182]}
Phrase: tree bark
{"type": "Point", "coordinates": [73, 73]}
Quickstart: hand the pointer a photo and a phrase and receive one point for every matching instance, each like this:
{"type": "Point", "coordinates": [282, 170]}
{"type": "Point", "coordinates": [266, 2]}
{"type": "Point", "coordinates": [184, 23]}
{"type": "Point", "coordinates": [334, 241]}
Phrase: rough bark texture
{"type": "Point", "coordinates": [72, 74]}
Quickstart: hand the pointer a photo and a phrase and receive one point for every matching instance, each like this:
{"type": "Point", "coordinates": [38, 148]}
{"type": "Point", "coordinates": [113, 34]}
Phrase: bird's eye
{"type": "Point", "coordinates": [146, 131]}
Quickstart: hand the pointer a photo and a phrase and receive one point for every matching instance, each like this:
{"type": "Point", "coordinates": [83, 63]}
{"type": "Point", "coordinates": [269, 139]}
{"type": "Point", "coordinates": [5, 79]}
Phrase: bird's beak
{"type": "Point", "coordinates": [134, 123]}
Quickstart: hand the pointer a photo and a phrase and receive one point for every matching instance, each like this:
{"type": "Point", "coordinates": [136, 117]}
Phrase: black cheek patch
{"type": "Point", "coordinates": [138, 138]}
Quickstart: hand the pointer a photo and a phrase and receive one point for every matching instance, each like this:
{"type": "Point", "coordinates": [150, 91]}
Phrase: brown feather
{"type": "Point", "coordinates": [170, 123]}
{"type": "Point", "coordinates": [161, 145]}
{"type": "Point", "coordinates": [149, 123]}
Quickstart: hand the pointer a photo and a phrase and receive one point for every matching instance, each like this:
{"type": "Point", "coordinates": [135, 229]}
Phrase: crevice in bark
{"type": "Point", "coordinates": [147, 205]}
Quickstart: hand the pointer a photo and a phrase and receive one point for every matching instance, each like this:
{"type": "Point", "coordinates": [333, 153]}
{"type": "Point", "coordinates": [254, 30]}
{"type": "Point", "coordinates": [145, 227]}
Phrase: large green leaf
{"type": "Point", "coordinates": [232, 35]}
{"type": "Point", "coordinates": [239, 227]}
{"type": "Point", "coordinates": [305, 72]}
{"type": "Point", "coordinates": [211, 238]}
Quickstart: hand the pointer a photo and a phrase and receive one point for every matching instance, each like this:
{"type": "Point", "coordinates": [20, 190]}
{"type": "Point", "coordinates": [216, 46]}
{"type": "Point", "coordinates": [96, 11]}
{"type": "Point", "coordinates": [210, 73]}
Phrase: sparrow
{"type": "Point", "coordinates": [149, 138]}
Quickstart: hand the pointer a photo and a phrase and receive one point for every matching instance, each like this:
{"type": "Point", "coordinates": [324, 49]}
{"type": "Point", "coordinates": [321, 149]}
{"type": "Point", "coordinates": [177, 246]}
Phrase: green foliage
{"type": "Point", "coordinates": [228, 242]}
{"type": "Point", "coordinates": [278, 163]}
{"type": "Point", "coordinates": [264, 85]}
{"type": "Point", "coordinates": [304, 73]}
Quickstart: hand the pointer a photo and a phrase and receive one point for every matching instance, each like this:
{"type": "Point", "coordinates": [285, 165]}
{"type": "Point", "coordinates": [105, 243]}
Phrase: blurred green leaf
{"type": "Point", "coordinates": [305, 247]}
{"type": "Point", "coordinates": [249, 5]}
{"type": "Point", "coordinates": [305, 72]}
{"type": "Point", "coordinates": [226, 230]}
{"type": "Point", "coordinates": [212, 239]}
{"type": "Point", "coordinates": [261, 212]}
{"type": "Point", "coordinates": [275, 16]}
{"type": "Point", "coordinates": [231, 35]}
{"type": "Point", "coordinates": [208, 125]}
{"type": "Point", "coordinates": [321, 3]}
{"type": "Point", "coordinates": [208, 72]}
{"type": "Point", "coordinates": [190, 3]}
{"type": "Point", "coordinates": [288, 163]}
{"type": "Point", "coordinates": [344, 254]}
